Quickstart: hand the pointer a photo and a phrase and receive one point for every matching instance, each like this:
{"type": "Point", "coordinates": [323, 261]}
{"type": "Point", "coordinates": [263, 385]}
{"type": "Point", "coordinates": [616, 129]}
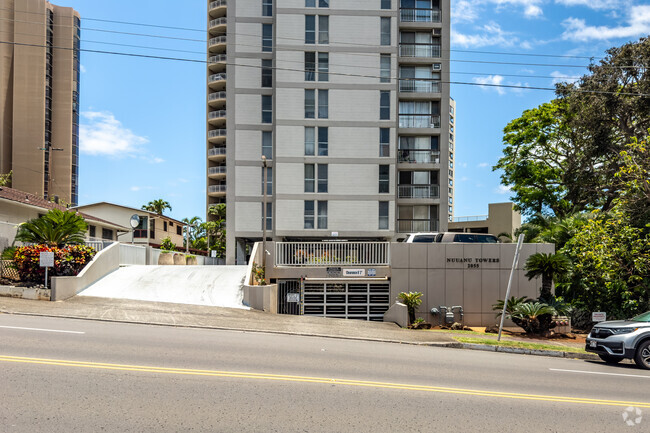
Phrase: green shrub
{"type": "Point", "coordinates": [68, 261]}
{"type": "Point", "coordinates": [412, 301]}
{"type": "Point", "coordinates": [167, 244]}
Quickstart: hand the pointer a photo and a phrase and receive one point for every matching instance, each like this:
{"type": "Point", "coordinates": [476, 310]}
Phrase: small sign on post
{"type": "Point", "coordinates": [598, 316]}
{"type": "Point", "coordinates": [46, 260]}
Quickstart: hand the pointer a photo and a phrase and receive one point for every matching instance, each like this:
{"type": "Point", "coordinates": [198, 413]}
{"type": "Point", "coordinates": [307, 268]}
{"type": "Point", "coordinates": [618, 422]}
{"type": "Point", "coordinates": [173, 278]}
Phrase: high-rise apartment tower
{"type": "Point", "coordinates": [348, 102]}
{"type": "Point", "coordinates": [39, 97]}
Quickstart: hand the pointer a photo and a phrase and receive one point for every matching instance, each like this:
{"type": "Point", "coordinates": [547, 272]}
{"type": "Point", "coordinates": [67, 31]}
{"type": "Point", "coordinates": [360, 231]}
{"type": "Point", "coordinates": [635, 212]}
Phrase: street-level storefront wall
{"type": "Point", "coordinates": [474, 276]}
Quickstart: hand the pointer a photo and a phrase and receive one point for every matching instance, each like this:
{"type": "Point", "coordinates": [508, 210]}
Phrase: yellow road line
{"type": "Point", "coordinates": [321, 380]}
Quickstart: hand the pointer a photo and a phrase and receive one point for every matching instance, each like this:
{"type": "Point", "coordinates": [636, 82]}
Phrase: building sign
{"type": "Point", "coordinates": [293, 297]}
{"type": "Point", "coordinates": [473, 262]}
{"type": "Point", "coordinates": [334, 272]}
{"type": "Point", "coordinates": [46, 259]}
{"type": "Point", "coordinates": [354, 272]}
{"type": "Point", "coordinates": [372, 272]}
{"type": "Point", "coordinates": [598, 316]}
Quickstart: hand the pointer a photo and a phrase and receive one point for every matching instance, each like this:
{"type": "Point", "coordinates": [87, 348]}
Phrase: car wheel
{"type": "Point", "coordinates": [611, 359]}
{"type": "Point", "coordinates": [642, 357]}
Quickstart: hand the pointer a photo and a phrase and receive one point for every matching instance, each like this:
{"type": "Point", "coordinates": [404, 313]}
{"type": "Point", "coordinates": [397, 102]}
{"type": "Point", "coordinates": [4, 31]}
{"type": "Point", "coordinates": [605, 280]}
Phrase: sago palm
{"type": "Point", "coordinates": [549, 267]}
{"type": "Point", "coordinates": [56, 228]}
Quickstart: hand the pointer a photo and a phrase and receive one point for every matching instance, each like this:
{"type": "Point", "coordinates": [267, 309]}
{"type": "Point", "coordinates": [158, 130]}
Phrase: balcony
{"type": "Point", "coordinates": [217, 80]}
{"type": "Point", "coordinates": [217, 117]}
{"type": "Point", "coordinates": [417, 156]}
{"type": "Point", "coordinates": [217, 8]}
{"type": "Point", "coordinates": [419, 50]}
{"type": "Point", "coordinates": [420, 16]}
{"type": "Point", "coordinates": [414, 226]}
{"type": "Point", "coordinates": [411, 85]}
{"type": "Point", "coordinates": [217, 136]}
{"type": "Point", "coordinates": [332, 253]}
{"type": "Point", "coordinates": [217, 62]}
{"type": "Point", "coordinates": [216, 153]}
{"type": "Point", "coordinates": [217, 190]}
{"type": "Point", "coordinates": [217, 98]}
{"type": "Point", "coordinates": [418, 191]}
{"type": "Point", "coordinates": [217, 172]}
{"type": "Point", "coordinates": [218, 23]}
{"type": "Point", "coordinates": [419, 121]}
{"type": "Point", "coordinates": [218, 42]}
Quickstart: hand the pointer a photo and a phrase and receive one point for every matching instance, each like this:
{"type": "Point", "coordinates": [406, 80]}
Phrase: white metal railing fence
{"type": "Point", "coordinates": [218, 40]}
{"type": "Point", "coordinates": [411, 85]}
{"type": "Point", "coordinates": [217, 3]}
{"type": "Point", "coordinates": [217, 114]}
{"type": "Point", "coordinates": [418, 191]}
{"type": "Point", "coordinates": [218, 22]}
{"type": "Point", "coordinates": [215, 133]}
{"type": "Point", "coordinates": [419, 50]}
{"type": "Point", "coordinates": [470, 218]}
{"type": "Point", "coordinates": [215, 96]}
{"type": "Point", "coordinates": [332, 253]}
{"type": "Point", "coordinates": [419, 121]}
{"type": "Point", "coordinates": [418, 156]}
{"type": "Point", "coordinates": [420, 15]}
{"type": "Point", "coordinates": [217, 151]}
{"type": "Point", "coordinates": [217, 170]}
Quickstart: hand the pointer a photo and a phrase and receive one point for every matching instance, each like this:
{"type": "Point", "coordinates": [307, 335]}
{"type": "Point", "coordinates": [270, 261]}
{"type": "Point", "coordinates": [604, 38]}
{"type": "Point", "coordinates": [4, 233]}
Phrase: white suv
{"type": "Point", "coordinates": [427, 238]}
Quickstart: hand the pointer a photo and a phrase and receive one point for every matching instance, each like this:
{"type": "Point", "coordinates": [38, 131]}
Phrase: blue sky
{"type": "Point", "coordinates": [143, 120]}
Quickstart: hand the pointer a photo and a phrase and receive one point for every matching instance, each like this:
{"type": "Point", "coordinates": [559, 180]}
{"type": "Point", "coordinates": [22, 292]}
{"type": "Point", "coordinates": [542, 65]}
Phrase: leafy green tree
{"type": "Point", "coordinates": [56, 228]}
{"type": "Point", "coordinates": [634, 180]}
{"type": "Point", "coordinates": [412, 300]}
{"type": "Point", "coordinates": [5, 179]}
{"type": "Point", "coordinates": [549, 267]}
{"type": "Point", "coordinates": [157, 206]}
{"type": "Point", "coordinates": [215, 229]}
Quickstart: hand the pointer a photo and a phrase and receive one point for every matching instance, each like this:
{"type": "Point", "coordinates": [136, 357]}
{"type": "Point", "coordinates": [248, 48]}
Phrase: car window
{"type": "Point", "coordinates": [439, 237]}
{"type": "Point", "coordinates": [487, 239]}
{"type": "Point", "coordinates": [424, 239]}
{"type": "Point", "coordinates": [645, 317]}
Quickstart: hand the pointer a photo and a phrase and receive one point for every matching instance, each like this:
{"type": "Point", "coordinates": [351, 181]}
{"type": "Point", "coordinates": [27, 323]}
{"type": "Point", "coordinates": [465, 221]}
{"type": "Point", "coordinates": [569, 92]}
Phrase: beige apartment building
{"type": "Point", "coordinates": [348, 102]}
{"type": "Point", "coordinates": [39, 97]}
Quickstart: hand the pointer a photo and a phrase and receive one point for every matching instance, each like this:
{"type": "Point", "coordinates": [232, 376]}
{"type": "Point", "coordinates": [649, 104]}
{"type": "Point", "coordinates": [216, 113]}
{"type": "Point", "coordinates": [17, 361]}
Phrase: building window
{"type": "Point", "coordinates": [384, 178]}
{"type": "Point", "coordinates": [322, 177]}
{"type": "Point", "coordinates": [309, 214]}
{"type": "Point", "coordinates": [310, 103]}
{"type": "Point", "coordinates": [269, 216]}
{"type": "Point", "coordinates": [107, 234]}
{"type": "Point", "coordinates": [267, 109]}
{"type": "Point", "coordinates": [323, 29]}
{"type": "Point", "coordinates": [164, 226]}
{"type": "Point", "coordinates": [310, 29]}
{"type": "Point", "coordinates": [310, 66]}
{"type": "Point", "coordinates": [383, 215]}
{"type": "Point", "coordinates": [179, 230]}
{"type": "Point", "coordinates": [385, 30]}
{"type": "Point", "coordinates": [267, 8]}
{"type": "Point", "coordinates": [323, 66]}
{"type": "Point", "coordinates": [310, 139]}
{"type": "Point", "coordinates": [385, 4]}
{"type": "Point", "coordinates": [384, 141]}
{"type": "Point", "coordinates": [267, 37]}
{"type": "Point", "coordinates": [385, 69]}
{"type": "Point", "coordinates": [269, 180]}
{"type": "Point", "coordinates": [322, 214]}
{"type": "Point", "coordinates": [152, 229]}
{"type": "Point", "coordinates": [321, 3]}
{"type": "Point", "coordinates": [91, 231]}
{"type": "Point", "coordinates": [310, 177]}
{"type": "Point", "coordinates": [323, 138]}
{"type": "Point", "coordinates": [267, 73]}
{"type": "Point", "coordinates": [323, 103]}
{"type": "Point", "coordinates": [267, 144]}
{"type": "Point", "coordinates": [384, 105]}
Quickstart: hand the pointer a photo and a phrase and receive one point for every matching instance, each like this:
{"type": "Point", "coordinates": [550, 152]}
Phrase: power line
{"type": "Point", "coordinates": [330, 73]}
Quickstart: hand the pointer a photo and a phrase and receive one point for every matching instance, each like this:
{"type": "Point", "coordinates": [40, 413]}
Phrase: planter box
{"type": "Point", "coordinates": [191, 261]}
{"type": "Point", "coordinates": [179, 259]}
{"type": "Point", "coordinates": [166, 259]}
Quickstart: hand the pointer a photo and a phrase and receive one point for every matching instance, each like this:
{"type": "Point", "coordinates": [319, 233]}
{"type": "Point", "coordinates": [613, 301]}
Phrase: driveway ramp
{"type": "Point", "coordinates": [218, 286]}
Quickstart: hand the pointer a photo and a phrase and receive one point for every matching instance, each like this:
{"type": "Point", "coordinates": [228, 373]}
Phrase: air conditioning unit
{"type": "Point", "coordinates": [437, 66]}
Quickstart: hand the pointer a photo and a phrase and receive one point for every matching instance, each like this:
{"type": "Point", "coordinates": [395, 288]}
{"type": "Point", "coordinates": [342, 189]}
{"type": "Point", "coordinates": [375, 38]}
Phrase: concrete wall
{"type": "Point", "coordinates": [474, 276]}
{"type": "Point", "coordinates": [502, 218]}
{"type": "Point", "coordinates": [105, 262]}
{"type": "Point", "coordinates": [264, 298]}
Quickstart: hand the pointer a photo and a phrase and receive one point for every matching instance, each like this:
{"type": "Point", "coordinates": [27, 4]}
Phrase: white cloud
{"type": "Point", "coordinates": [483, 165]}
{"type": "Point", "coordinates": [465, 11]}
{"type": "Point", "coordinates": [560, 77]}
{"type": "Point", "coordinates": [491, 81]}
{"type": "Point", "coordinates": [82, 68]}
{"type": "Point", "coordinates": [594, 4]}
{"type": "Point", "coordinates": [103, 134]}
{"type": "Point", "coordinates": [638, 24]}
{"type": "Point", "coordinates": [503, 189]}
{"type": "Point", "coordinates": [471, 10]}
{"type": "Point", "coordinates": [136, 188]}
{"type": "Point", "coordinates": [488, 35]}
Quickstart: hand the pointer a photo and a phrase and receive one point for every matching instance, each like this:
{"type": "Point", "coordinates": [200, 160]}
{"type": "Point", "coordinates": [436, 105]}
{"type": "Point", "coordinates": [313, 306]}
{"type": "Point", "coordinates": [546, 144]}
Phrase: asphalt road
{"type": "Point", "coordinates": [64, 375]}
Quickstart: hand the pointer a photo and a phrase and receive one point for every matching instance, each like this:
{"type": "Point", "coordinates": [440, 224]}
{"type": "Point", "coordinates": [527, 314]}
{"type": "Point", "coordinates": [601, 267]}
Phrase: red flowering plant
{"type": "Point", "coordinates": [68, 261]}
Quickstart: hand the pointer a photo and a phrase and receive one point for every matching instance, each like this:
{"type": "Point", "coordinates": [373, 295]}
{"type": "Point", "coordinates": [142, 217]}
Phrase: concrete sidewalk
{"type": "Point", "coordinates": [158, 313]}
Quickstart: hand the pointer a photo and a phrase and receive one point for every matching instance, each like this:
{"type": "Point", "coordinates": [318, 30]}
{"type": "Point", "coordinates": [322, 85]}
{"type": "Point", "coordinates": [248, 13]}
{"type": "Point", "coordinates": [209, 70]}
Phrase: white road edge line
{"type": "Point", "coordinates": [598, 372]}
{"type": "Point", "coordinates": [42, 330]}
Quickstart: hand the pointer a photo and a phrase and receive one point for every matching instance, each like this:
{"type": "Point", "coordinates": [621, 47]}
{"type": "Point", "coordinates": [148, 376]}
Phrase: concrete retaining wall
{"type": "Point", "coordinates": [104, 262]}
{"type": "Point", "coordinates": [264, 298]}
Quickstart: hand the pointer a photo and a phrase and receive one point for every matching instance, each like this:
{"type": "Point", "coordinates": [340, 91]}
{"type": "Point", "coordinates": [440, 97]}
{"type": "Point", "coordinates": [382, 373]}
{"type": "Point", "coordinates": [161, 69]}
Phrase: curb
{"type": "Point", "coordinates": [536, 352]}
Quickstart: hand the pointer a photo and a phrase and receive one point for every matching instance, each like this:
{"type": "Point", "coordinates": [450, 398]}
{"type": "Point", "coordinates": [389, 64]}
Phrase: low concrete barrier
{"type": "Point", "coordinates": [133, 254]}
{"type": "Point", "coordinates": [397, 313]}
{"type": "Point", "coordinates": [264, 298]}
{"type": "Point", "coordinates": [104, 262]}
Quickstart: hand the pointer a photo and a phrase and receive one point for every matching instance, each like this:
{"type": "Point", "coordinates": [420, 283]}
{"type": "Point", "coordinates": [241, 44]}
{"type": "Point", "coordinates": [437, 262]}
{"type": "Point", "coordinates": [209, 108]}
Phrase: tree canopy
{"type": "Point", "coordinates": [158, 206]}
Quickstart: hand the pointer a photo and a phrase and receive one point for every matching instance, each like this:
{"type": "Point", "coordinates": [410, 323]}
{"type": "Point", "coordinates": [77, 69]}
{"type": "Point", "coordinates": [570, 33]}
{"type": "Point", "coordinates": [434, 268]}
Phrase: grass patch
{"type": "Point", "coordinates": [451, 331]}
{"type": "Point", "coordinates": [519, 344]}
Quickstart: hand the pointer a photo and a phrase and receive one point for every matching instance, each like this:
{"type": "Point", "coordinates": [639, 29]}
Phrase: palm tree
{"type": "Point", "coordinates": [56, 228]}
{"type": "Point", "coordinates": [157, 206]}
{"type": "Point", "coordinates": [550, 267]}
{"type": "Point", "coordinates": [412, 301]}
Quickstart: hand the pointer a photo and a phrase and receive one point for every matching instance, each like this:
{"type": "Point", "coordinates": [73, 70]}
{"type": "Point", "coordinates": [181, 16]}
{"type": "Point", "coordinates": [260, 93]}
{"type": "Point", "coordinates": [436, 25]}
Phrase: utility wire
{"type": "Point", "coordinates": [330, 73]}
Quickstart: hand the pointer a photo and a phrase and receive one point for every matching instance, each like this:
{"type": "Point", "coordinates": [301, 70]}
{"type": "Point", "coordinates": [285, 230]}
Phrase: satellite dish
{"type": "Point", "coordinates": [135, 220]}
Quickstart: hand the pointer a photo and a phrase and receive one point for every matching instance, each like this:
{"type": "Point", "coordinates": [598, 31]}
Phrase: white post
{"type": "Point", "coordinates": [512, 274]}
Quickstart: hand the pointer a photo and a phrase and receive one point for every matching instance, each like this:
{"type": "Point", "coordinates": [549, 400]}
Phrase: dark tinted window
{"type": "Point", "coordinates": [424, 239]}
{"type": "Point", "coordinates": [475, 238]}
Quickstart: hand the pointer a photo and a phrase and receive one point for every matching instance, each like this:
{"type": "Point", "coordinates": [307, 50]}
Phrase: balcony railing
{"type": "Point", "coordinates": [419, 86]}
{"type": "Point", "coordinates": [217, 170]}
{"type": "Point", "coordinates": [215, 96]}
{"type": "Point", "coordinates": [218, 114]}
{"type": "Point", "coordinates": [218, 22]}
{"type": "Point", "coordinates": [419, 50]}
{"type": "Point", "coordinates": [419, 121]}
{"type": "Point", "coordinates": [216, 188]}
{"type": "Point", "coordinates": [217, 151]}
{"type": "Point", "coordinates": [217, 77]}
{"type": "Point", "coordinates": [217, 59]}
{"type": "Point", "coordinates": [332, 253]}
{"type": "Point", "coordinates": [417, 156]}
{"type": "Point", "coordinates": [418, 191]}
{"type": "Point", "coordinates": [414, 226]}
{"type": "Point", "coordinates": [217, 133]}
{"type": "Point", "coordinates": [471, 218]}
{"type": "Point", "coordinates": [218, 40]}
{"type": "Point", "coordinates": [420, 15]}
{"type": "Point", "coordinates": [217, 3]}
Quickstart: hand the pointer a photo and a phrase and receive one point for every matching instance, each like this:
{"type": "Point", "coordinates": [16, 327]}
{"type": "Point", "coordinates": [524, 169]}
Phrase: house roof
{"type": "Point", "coordinates": [26, 198]}
{"type": "Point", "coordinates": [135, 209]}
